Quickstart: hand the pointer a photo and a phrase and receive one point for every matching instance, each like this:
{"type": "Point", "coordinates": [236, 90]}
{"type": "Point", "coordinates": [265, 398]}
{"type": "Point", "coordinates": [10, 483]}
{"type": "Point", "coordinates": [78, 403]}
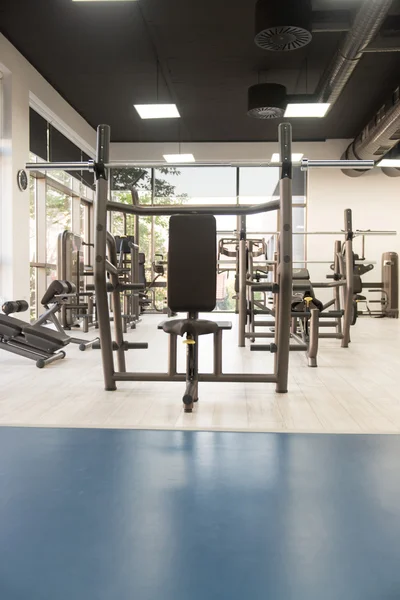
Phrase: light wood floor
{"type": "Point", "coordinates": [353, 391]}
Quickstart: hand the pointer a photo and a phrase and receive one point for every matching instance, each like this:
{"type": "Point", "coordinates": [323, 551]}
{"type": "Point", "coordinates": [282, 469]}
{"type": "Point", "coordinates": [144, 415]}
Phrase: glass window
{"type": "Point", "coordinates": [32, 300]}
{"type": "Point", "coordinates": [123, 179]}
{"type": "Point", "coordinates": [32, 219]}
{"type": "Point", "coordinates": [258, 184]}
{"type": "Point", "coordinates": [82, 220]}
{"type": "Point", "coordinates": [196, 185]}
{"type": "Point", "coordinates": [58, 219]}
{"type": "Point", "coordinates": [299, 222]}
{"type": "Point", "coordinates": [122, 224]}
{"type": "Point", "coordinates": [51, 275]}
{"type": "Point", "coordinates": [61, 176]}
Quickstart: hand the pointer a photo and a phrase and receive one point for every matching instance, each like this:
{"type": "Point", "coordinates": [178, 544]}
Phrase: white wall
{"type": "Point", "coordinates": [374, 199]}
{"type": "Point", "coordinates": [24, 86]}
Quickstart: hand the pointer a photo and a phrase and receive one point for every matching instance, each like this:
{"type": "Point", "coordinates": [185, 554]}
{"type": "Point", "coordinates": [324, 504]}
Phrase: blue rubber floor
{"type": "Point", "coordinates": [167, 515]}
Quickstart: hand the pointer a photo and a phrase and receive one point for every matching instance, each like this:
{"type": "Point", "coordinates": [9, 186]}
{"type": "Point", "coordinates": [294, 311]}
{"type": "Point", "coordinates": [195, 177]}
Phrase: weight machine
{"type": "Point", "coordinates": [103, 265]}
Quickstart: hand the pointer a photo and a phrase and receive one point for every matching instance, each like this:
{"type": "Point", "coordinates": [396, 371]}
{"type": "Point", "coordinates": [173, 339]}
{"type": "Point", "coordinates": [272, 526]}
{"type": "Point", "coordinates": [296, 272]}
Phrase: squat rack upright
{"type": "Point", "coordinates": [103, 265]}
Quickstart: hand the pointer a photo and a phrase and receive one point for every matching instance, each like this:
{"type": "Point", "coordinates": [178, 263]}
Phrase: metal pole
{"type": "Point", "coordinates": [148, 210]}
{"type": "Point", "coordinates": [135, 278]}
{"type": "Point", "coordinates": [313, 343]}
{"type": "Point", "coordinates": [237, 234]}
{"type": "Point", "coordinates": [152, 240]}
{"type": "Point", "coordinates": [336, 164]}
{"type": "Point", "coordinates": [285, 268]}
{"type": "Point", "coordinates": [305, 164]}
{"type": "Point", "coordinates": [100, 246]}
{"type": "Point", "coordinates": [218, 352]}
{"type": "Point", "coordinates": [348, 307]}
{"type": "Point", "coordinates": [119, 326]}
{"type": "Point", "coordinates": [337, 291]}
{"type": "Point", "coordinates": [172, 354]}
{"type": "Point", "coordinates": [242, 283]}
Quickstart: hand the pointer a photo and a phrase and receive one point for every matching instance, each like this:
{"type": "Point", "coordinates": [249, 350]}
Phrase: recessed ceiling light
{"type": "Point", "coordinates": [389, 162]}
{"type": "Point", "coordinates": [295, 158]}
{"type": "Point", "coordinates": [179, 158]}
{"type": "Point", "coordinates": [157, 111]}
{"type": "Point", "coordinates": [315, 109]}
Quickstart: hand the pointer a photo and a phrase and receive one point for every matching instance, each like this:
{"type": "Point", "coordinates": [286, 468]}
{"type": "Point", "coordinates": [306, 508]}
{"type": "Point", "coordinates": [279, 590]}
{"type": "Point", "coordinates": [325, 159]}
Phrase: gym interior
{"type": "Point", "coordinates": [199, 291]}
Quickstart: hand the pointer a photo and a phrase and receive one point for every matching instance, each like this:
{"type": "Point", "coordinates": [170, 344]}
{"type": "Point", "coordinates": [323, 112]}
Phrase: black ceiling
{"type": "Point", "coordinates": [102, 57]}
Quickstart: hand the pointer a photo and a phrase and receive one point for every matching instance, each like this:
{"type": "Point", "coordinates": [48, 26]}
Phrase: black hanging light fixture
{"type": "Point", "coordinates": [267, 101]}
{"type": "Point", "coordinates": [283, 25]}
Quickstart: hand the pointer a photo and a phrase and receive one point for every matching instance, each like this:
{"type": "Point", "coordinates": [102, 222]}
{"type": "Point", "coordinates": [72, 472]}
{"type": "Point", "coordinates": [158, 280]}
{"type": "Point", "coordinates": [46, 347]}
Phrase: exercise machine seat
{"type": "Point", "coordinates": [192, 287]}
{"type": "Point", "coordinates": [11, 327]}
{"type": "Point", "coordinates": [122, 242]}
{"type": "Point", "coordinates": [48, 339]}
{"type": "Point", "coordinates": [193, 327]}
{"type": "Point", "coordinates": [36, 336]}
{"type": "Point", "coordinates": [142, 268]}
{"type": "Point", "coordinates": [57, 288]}
{"type": "Point", "coordinates": [192, 263]}
{"type": "Point", "coordinates": [357, 284]}
{"type": "Point", "coordinates": [301, 274]}
{"type": "Point", "coordinates": [300, 304]}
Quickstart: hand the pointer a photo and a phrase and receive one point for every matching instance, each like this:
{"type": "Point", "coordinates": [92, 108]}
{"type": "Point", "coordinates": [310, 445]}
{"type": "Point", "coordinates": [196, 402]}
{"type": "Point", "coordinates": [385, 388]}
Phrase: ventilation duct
{"type": "Point", "coordinates": [366, 24]}
{"type": "Point", "coordinates": [282, 26]}
{"type": "Point", "coordinates": [378, 138]}
{"type": "Point", "coordinates": [267, 101]}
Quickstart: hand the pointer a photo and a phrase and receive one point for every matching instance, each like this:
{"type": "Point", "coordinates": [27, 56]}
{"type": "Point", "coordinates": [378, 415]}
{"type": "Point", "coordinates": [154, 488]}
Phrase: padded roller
{"type": "Point", "coordinates": [14, 306]}
{"type": "Point", "coordinates": [57, 288]}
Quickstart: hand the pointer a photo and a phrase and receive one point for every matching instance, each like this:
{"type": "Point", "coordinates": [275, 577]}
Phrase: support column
{"type": "Point", "coordinates": [242, 283]}
{"type": "Point", "coordinates": [14, 203]}
{"type": "Point", "coordinates": [349, 293]}
{"type": "Point", "coordinates": [285, 267]}
{"type": "Point", "coordinates": [100, 247]}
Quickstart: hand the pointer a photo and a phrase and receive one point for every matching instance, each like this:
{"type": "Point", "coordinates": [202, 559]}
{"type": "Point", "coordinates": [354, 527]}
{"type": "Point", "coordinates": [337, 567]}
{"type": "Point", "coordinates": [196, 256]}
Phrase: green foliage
{"type": "Point", "coordinates": [122, 179]}
{"type": "Point", "coordinates": [164, 193]}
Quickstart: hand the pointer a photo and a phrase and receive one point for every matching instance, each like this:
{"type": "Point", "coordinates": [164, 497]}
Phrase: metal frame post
{"type": "Point", "coordinates": [285, 267]}
{"type": "Point", "coordinates": [218, 353]}
{"type": "Point", "coordinates": [337, 289]}
{"type": "Point", "coordinates": [120, 324]}
{"type": "Point", "coordinates": [100, 251]}
{"type": "Point", "coordinates": [313, 338]}
{"type": "Point", "coordinates": [242, 283]}
{"type": "Point", "coordinates": [348, 307]}
{"type": "Point", "coordinates": [172, 354]}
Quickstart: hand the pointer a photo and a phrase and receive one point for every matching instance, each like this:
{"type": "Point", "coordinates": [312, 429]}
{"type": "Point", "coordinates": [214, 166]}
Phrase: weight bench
{"type": "Point", "coordinates": [35, 342]}
{"type": "Point", "coordinates": [192, 288]}
{"type": "Point", "coordinates": [302, 283]}
{"type": "Point", "coordinates": [58, 294]}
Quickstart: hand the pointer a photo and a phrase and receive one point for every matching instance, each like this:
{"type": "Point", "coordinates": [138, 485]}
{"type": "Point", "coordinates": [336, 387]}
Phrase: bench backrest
{"type": "Point", "coordinates": [192, 263]}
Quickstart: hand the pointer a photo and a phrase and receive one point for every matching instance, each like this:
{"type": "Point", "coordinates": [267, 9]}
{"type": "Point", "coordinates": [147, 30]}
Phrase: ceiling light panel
{"type": "Point", "coordinates": [179, 158]}
{"type": "Point", "coordinates": [313, 110]}
{"type": "Point", "coordinates": [157, 111]}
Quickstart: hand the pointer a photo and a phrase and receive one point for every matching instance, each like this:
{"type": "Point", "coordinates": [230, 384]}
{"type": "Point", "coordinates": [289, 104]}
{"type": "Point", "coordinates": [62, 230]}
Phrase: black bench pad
{"type": "Point", "coordinates": [11, 327]}
{"type": "Point", "coordinates": [42, 337]}
{"type": "Point", "coordinates": [221, 325]}
{"type": "Point", "coordinates": [191, 326]}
